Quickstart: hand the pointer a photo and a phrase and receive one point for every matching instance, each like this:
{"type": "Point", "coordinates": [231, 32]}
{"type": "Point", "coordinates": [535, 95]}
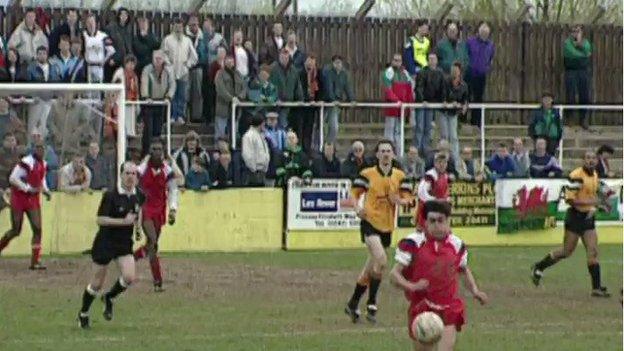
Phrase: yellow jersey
{"type": "Point", "coordinates": [583, 186]}
{"type": "Point", "coordinates": [377, 188]}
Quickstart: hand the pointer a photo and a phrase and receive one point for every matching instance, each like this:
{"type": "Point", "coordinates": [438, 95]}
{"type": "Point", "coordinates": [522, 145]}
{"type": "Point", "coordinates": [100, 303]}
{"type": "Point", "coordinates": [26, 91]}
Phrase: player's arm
{"type": "Point", "coordinates": [16, 177]}
{"type": "Point", "coordinates": [359, 187]}
{"type": "Point", "coordinates": [424, 189]}
{"type": "Point", "coordinates": [471, 285]}
{"type": "Point", "coordinates": [572, 190]}
{"type": "Point", "coordinates": [106, 209]}
{"type": "Point", "coordinates": [405, 197]}
{"type": "Point", "coordinates": [403, 257]}
{"type": "Point", "coordinates": [172, 196]}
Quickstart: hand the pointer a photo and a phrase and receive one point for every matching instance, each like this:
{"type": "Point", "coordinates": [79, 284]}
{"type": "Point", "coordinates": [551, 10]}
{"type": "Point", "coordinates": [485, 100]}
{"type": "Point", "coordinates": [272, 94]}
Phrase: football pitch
{"type": "Point", "coordinates": [294, 301]}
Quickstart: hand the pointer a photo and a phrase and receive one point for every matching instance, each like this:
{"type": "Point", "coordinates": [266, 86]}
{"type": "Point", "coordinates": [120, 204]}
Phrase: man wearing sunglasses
{"type": "Point", "coordinates": [427, 268]}
{"type": "Point", "coordinates": [383, 187]}
{"type": "Point", "coordinates": [117, 217]}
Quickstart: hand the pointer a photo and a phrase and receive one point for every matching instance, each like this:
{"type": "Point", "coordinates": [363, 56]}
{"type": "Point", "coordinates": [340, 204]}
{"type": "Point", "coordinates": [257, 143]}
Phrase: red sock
{"type": "Point", "coordinates": [156, 271]}
{"type": "Point", "coordinates": [36, 254]}
{"type": "Point", "coordinates": [4, 242]}
{"type": "Point", "coordinates": [139, 253]}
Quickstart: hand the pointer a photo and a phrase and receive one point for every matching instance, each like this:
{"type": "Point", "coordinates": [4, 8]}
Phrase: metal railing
{"type": "Point", "coordinates": [404, 106]}
{"type": "Point", "coordinates": [165, 103]}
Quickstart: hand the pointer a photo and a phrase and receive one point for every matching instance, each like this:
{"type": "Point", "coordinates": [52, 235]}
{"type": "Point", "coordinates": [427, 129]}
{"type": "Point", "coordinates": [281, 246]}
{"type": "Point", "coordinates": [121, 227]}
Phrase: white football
{"type": "Point", "coordinates": [428, 327]}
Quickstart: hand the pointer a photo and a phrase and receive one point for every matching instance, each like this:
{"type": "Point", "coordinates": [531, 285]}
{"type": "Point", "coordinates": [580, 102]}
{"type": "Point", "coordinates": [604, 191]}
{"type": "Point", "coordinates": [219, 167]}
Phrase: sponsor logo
{"type": "Point", "coordinates": [319, 201]}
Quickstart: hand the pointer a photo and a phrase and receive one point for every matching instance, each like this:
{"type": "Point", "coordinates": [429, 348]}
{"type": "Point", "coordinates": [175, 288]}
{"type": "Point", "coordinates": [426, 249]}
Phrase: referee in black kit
{"type": "Point", "coordinates": [117, 217]}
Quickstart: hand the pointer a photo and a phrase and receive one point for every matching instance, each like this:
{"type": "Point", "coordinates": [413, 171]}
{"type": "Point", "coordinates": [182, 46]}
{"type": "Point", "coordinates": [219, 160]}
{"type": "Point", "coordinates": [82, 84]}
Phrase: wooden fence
{"type": "Point", "coordinates": [528, 58]}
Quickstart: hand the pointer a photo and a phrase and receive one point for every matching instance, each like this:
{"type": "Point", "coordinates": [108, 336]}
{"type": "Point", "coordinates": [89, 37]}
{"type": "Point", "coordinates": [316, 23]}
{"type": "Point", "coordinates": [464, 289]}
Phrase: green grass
{"type": "Point", "coordinates": [294, 301]}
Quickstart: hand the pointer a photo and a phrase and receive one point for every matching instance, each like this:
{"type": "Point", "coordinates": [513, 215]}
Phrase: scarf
{"type": "Point", "coordinates": [313, 86]}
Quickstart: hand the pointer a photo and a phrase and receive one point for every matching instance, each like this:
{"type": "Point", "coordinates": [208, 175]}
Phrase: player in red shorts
{"type": "Point", "coordinates": [27, 182]}
{"type": "Point", "coordinates": [435, 185]}
{"type": "Point", "coordinates": [158, 183]}
{"type": "Point", "coordinates": [427, 267]}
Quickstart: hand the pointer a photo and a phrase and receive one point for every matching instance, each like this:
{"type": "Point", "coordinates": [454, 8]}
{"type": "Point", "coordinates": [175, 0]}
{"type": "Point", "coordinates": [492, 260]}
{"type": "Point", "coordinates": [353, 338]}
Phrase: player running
{"type": "Point", "coordinates": [117, 216]}
{"type": "Point", "coordinates": [435, 185]}
{"type": "Point", "coordinates": [580, 218]}
{"type": "Point", "coordinates": [158, 183]}
{"type": "Point", "coordinates": [427, 267]}
{"type": "Point", "coordinates": [27, 182]}
{"type": "Point", "coordinates": [384, 187]}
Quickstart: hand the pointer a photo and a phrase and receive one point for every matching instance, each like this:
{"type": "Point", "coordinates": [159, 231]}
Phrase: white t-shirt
{"type": "Point", "coordinates": [280, 42]}
{"type": "Point", "coordinates": [242, 62]}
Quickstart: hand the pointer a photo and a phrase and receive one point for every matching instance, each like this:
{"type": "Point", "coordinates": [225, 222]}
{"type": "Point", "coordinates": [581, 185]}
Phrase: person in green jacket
{"type": "Point", "coordinates": [293, 162]}
{"type": "Point", "coordinates": [262, 91]}
{"type": "Point", "coordinates": [285, 77]}
{"type": "Point", "coordinates": [451, 49]}
{"type": "Point", "coordinates": [576, 60]}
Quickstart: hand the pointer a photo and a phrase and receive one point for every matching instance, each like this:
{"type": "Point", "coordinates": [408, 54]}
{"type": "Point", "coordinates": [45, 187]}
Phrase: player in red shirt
{"type": "Point", "coordinates": [435, 185]}
{"type": "Point", "coordinates": [427, 267]}
{"type": "Point", "coordinates": [158, 183]}
{"type": "Point", "coordinates": [27, 182]}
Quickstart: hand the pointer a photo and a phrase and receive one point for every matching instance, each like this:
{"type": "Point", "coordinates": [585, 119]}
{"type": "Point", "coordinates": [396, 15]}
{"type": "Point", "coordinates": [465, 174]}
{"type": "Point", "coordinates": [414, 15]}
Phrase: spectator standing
{"type": "Point", "coordinates": [243, 58]}
{"type": "Point", "coordinates": [336, 88]}
{"type": "Point", "coordinates": [481, 55]}
{"type": "Point", "coordinates": [521, 159]}
{"type": "Point", "coordinates": [398, 86]}
{"type": "Point", "coordinates": [412, 164]}
{"type": "Point", "coordinates": [9, 122]}
{"type": "Point", "coordinates": [98, 49]}
{"type": "Point", "coordinates": [143, 44]}
{"type": "Point", "coordinates": [297, 56]}
{"type": "Point", "coordinates": [293, 163]}
{"type": "Point", "coordinates": [157, 83]}
{"type": "Point", "coordinates": [285, 77]}
{"type": "Point", "coordinates": [99, 168]}
{"type": "Point", "coordinates": [14, 71]}
{"type": "Point", "coordinates": [327, 165]}
{"type": "Point", "coordinates": [210, 42]}
{"type": "Point", "coordinates": [417, 49]}
{"type": "Point", "coordinates": [457, 95]}
{"type": "Point", "coordinates": [265, 92]}
{"type": "Point", "coordinates": [79, 73]}
{"type": "Point", "coordinates": [27, 38]}
{"type": "Point", "coordinates": [120, 32]}
{"type": "Point", "coordinates": [543, 165]}
{"type": "Point", "coordinates": [577, 60]}
{"type": "Point", "coordinates": [196, 72]}
{"type": "Point", "coordinates": [41, 71]}
{"type": "Point", "coordinates": [546, 123]}
{"type": "Point", "coordinates": [184, 156]}
{"type": "Point", "coordinates": [68, 126]}
{"type": "Point", "coordinates": [181, 54]}
{"type": "Point", "coordinates": [75, 177]}
{"type": "Point", "coordinates": [70, 28]}
{"type": "Point", "coordinates": [273, 45]}
{"type": "Point", "coordinates": [9, 157]}
{"type": "Point", "coordinates": [430, 87]}
{"type": "Point", "coordinates": [355, 161]}
{"type": "Point", "coordinates": [310, 86]}
{"type": "Point", "coordinates": [602, 167]}
{"type": "Point", "coordinates": [256, 153]}
{"type": "Point", "coordinates": [274, 133]}
{"type": "Point", "coordinates": [222, 174]}
{"type": "Point", "coordinates": [501, 165]}
{"type": "Point", "coordinates": [210, 99]}
{"type": "Point", "coordinates": [65, 60]}
{"type": "Point", "coordinates": [452, 49]}
{"type": "Point", "coordinates": [467, 169]}
{"type": "Point", "coordinates": [128, 76]}
{"type": "Point", "coordinates": [230, 86]}
{"type": "Point", "coordinates": [197, 178]}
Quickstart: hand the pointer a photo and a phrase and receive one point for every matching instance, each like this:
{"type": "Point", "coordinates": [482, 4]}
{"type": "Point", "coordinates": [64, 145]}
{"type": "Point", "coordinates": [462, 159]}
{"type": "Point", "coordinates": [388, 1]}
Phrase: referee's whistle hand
{"type": "Point", "coordinates": [130, 218]}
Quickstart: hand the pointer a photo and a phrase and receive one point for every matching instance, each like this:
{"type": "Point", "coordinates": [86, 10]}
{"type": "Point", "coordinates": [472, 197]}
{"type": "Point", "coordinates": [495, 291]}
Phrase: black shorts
{"type": "Point", "coordinates": [577, 221]}
{"type": "Point", "coordinates": [105, 249]}
{"type": "Point", "coordinates": [367, 229]}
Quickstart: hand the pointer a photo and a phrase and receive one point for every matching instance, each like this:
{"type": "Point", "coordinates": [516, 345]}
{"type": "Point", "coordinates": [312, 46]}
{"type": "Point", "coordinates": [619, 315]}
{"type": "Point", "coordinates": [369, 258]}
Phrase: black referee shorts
{"type": "Point", "coordinates": [577, 221]}
{"type": "Point", "coordinates": [105, 249]}
{"type": "Point", "coordinates": [367, 229]}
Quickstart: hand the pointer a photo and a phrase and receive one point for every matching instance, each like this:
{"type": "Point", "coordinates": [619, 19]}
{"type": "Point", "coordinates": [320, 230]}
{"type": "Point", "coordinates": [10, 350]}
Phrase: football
{"type": "Point", "coordinates": [428, 327]}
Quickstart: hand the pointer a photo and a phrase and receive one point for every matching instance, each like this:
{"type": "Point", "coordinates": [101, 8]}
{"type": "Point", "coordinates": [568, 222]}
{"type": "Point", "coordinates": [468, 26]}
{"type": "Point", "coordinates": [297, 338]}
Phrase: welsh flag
{"type": "Point", "coordinates": [526, 204]}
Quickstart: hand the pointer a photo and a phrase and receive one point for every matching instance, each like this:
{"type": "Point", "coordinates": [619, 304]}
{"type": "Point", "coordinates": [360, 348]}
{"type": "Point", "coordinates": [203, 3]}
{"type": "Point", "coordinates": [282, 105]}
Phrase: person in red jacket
{"type": "Point", "coordinates": [398, 87]}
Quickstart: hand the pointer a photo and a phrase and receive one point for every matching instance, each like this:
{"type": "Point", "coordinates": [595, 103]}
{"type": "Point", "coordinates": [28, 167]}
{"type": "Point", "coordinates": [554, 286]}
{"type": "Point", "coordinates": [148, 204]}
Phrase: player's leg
{"type": "Point", "coordinates": [360, 288]}
{"type": "Point", "coordinates": [34, 217]}
{"type": "Point", "coordinates": [127, 269]}
{"type": "Point", "coordinates": [152, 232]}
{"type": "Point", "coordinates": [449, 336]}
{"type": "Point", "coordinates": [17, 219]}
{"type": "Point", "coordinates": [379, 263]}
{"type": "Point", "coordinates": [90, 293]}
{"type": "Point", "coordinates": [590, 241]}
{"type": "Point", "coordinates": [570, 240]}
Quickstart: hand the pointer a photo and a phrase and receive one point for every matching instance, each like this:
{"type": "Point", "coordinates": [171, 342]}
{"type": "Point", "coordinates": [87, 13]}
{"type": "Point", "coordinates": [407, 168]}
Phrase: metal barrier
{"type": "Point", "coordinates": [166, 103]}
{"type": "Point", "coordinates": [403, 106]}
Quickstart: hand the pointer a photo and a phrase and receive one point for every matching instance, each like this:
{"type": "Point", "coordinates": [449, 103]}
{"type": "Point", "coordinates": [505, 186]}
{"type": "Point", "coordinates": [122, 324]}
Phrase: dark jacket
{"type": "Point", "coordinates": [19, 76]}
{"type": "Point", "coordinates": [576, 57]}
{"type": "Point", "coordinates": [221, 177]}
{"type": "Point", "coordinates": [323, 168]}
{"type": "Point", "coordinates": [252, 64]}
{"type": "Point", "coordinates": [502, 167]}
{"type": "Point", "coordinates": [457, 93]}
{"type": "Point", "coordinates": [293, 162]}
{"type": "Point", "coordinates": [269, 52]}
{"type": "Point", "coordinates": [122, 39]}
{"type": "Point", "coordinates": [99, 168]}
{"type": "Point", "coordinates": [542, 165]}
{"type": "Point", "coordinates": [303, 79]}
{"type": "Point", "coordinates": [143, 47]}
{"type": "Point", "coordinates": [336, 85]}
{"type": "Point", "coordinates": [286, 80]}
{"type": "Point", "coordinates": [196, 180]}
{"type": "Point", "coordinates": [430, 85]}
{"type": "Point", "coordinates": [228, 84]}
{"type": "Point", "coordinates": [57, 32]}
{"type": "Point", "coordinates": [351, 166]}
{"type": "Point", "coordinates": [34, 73]}
{"type": "Point", "coordinates": [449, 52]}
{"type": "Point", "coordinates": [540, 126]}
{"type": "Point", "coordinates": [184, 158]}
